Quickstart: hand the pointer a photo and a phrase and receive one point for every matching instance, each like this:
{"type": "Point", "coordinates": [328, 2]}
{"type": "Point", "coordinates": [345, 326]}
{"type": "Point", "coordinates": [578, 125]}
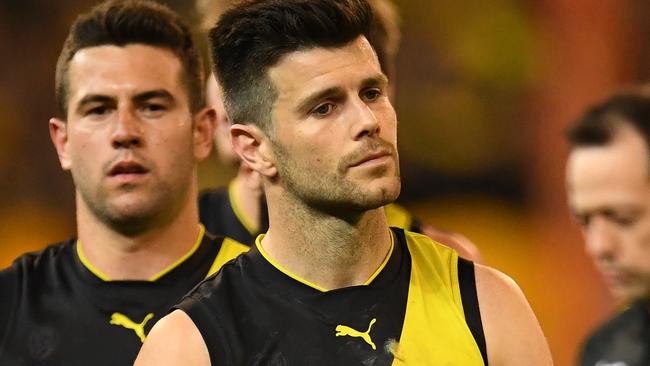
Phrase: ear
{"type": "Point", "coordinates": [59, 137]}
{"type": "Point", "coordinates": [253, 147]}
{"type": "Point", "coordinates": [203, 131]}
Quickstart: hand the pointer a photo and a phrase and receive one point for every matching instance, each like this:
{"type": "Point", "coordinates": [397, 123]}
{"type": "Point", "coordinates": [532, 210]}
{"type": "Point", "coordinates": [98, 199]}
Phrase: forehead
{"type": "Point", "coordinates": [617, 173]}
{"type": "Point", "coordinates": [114, 71]}
{"type": "Point", "coordinates": [303, 72]}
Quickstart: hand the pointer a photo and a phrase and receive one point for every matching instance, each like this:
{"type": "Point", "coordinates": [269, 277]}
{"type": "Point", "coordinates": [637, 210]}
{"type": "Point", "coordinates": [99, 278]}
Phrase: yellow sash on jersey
{"type": "Point", "coordinates": [434, 331]}
{"type": "Point", "coordinates": [230, 249]}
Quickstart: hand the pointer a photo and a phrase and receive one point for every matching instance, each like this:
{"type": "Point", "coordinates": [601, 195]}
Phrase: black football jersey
{"type": "Point", "coordinates": [55, 310]}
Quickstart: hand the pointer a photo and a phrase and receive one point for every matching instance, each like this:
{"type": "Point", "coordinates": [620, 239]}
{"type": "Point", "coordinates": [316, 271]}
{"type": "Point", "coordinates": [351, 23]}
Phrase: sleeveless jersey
{"type": "Point", "coordinates": [622, 340]}
{"type": "Point", "coordinates": [56, 309]}
{"type": "Point", "coordinates": [220, 213]}
{"type": "Point", "coordinates": [410, 312]}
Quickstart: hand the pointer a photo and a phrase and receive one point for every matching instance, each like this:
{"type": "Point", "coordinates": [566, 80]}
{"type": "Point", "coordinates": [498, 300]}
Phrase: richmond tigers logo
{"type": "Point", "coordinates": [344, 330]}
{"type": "Point", "coordinates": [124, 321]}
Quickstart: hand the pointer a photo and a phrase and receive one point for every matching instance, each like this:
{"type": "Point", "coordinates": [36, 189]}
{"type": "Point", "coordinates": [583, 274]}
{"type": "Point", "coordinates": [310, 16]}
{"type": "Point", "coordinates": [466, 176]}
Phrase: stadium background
{"type": "Point", "coordinates": [484, 92]}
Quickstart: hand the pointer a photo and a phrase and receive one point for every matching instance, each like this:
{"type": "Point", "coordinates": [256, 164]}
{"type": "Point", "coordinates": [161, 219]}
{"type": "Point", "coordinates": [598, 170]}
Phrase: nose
{"type": "Point", "coordinates": [601, 239]}
{"type": "Point", "coordinates": [127, 130]}
{"type": "Point", "coordinates": [367, 123]}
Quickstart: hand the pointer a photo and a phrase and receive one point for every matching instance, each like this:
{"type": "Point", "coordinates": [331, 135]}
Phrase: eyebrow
{"type": "Point", "coordinates": [158, 93]}
{"type": "Point", "coordinates": [336, 92]}
{"type": "Point", "coordinates": [138, 98]}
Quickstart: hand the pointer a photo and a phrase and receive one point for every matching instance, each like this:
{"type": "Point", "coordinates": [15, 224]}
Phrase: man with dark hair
{"type": "Point", "coordinates": [330, 283]}
{"type": "Point", "coordinates": [608, 186]}
{"type": "Point", "coordinates": [129, 85]}
{"type": "Point", "coordinates": [239, 210]}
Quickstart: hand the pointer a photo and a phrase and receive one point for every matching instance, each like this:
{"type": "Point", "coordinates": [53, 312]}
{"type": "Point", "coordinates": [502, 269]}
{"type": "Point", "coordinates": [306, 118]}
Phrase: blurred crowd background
{"type": "Point", "coordinates": [485, 90]}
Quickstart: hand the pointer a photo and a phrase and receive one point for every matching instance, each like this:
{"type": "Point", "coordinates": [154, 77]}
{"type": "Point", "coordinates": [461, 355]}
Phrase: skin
{"type": "Point", "coordinates": [336, 135]}
{"type": "Point", "coordinates": [132, 145]}
{"type": "Point", "coordinates": [609, 195]}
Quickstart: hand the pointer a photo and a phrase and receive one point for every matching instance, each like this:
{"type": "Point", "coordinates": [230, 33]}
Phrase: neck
{"type": "Point", "coordinates": [143, 255]}
{"type": "Point", "coordinates": [328, 251]}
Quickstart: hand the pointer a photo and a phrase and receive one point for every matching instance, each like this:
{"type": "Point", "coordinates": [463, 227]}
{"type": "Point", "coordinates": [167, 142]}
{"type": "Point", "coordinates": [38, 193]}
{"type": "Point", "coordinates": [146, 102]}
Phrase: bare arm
{"type": "Point", "coordinates": [512, 333]}
{"type": "Point", "coordinates": [174, 341]}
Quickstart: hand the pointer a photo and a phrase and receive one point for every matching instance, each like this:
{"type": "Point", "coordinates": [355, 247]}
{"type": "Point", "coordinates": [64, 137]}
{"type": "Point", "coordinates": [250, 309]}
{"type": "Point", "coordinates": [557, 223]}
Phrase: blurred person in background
{"type": "Point", "coordinates": [239, 211]}
{"type": "Point", "coordinates": [608, 186]}
{"type": "Point", "coordinates": [330, 282]}
{"type": "Point", "coordinates": [129, 85]}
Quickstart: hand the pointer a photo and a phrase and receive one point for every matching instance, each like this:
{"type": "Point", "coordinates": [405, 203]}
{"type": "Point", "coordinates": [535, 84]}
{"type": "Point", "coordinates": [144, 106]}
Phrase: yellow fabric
{"type": "Point", "coordinates": [434, 331]}
{"type": "Point", "coordinates": [182, 259]}
{"type": "Point", "coordinates": [245, 220]}
{"type": "Point", "coordinates": [101, 275]}
{"type": "Point", "coordinates": [398, 216]}
{"type": "Point", "coordinates": [230, 249]}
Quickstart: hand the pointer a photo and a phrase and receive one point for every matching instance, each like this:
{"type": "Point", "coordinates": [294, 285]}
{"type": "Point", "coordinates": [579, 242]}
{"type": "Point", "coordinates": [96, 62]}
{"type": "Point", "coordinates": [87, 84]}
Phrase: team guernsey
{"type": "Point", "coordinates": [622, 341]}
{"type": "Point", "coordinates": [57, 309]}
{"type": "Point", "coordinates": [419, 308]}
{"type": "Point", "coordinates": [221, 214]}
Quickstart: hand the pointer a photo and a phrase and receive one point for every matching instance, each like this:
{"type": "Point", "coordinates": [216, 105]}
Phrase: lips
{"type": "Point", "coordinates": [369, 157]}
{"type": "Point", "coordinates": [127, 168]}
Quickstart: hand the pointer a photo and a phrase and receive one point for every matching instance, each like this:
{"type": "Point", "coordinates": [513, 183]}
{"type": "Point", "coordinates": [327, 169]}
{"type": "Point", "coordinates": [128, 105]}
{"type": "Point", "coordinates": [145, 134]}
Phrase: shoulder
{"type": "Point", "coordinates": [39, 261]}
{"type": "Point", "coordinates": [512, 332]}
{"type": "Point", "coordinates": [174, 340]}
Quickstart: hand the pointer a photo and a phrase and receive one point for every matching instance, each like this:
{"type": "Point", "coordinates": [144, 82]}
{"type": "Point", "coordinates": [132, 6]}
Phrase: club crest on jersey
{"type": "Point", "coordinates": [124, 321]}
{"type": "Point", "coordinates": [344, 330]}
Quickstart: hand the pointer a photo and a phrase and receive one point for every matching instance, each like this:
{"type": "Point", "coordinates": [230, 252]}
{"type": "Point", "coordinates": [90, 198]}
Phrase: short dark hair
{"type": "Point", "coordinates": [125, 22]}
{"type": "Point", "coordinates": [597, 126]}
{"type": "Point", "coordinates": [252, 36]}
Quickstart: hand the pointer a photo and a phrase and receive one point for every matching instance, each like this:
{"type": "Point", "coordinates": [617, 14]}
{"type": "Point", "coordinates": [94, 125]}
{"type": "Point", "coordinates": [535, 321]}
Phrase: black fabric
{"type": "Point", "coordinates": [251, 313]}
{"type": "Point", "coordinates": [416, 226]}
{"type": "Point", "coordinates": [218, 217]}
{"type": "Point", "coordinates": [60, 312]}
{"type": "Point", "coordinates": [467, 283]}
{"type": "Point", "coordinates": [623, 340]}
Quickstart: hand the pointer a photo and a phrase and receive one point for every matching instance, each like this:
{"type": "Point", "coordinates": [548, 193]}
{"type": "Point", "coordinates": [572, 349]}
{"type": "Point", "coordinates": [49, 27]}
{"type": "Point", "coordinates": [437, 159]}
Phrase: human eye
{"type": "Point", "coordinates": [371, 95]}
{"type": "Point", "coordinates": [153, 109]}
{"type": "Point", "coordinates": [582, 220]}
{"type": "Point", "coordinates": [624, 219]}
{"type": "Point", "coordinates": [323, 110]}
{"type": "Point", "coordinates": [97, 111]}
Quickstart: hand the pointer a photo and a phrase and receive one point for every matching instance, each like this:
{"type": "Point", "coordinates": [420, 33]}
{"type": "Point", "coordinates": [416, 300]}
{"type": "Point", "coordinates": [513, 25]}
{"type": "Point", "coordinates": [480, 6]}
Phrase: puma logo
{"type": "Point", "coordinates": [344, 330]}
{"type": "Point", "coordinates": [124, 321]}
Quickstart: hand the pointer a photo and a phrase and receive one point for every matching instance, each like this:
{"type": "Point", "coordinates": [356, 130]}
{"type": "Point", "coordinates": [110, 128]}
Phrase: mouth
{"type": "Point", "coordinates": [372, 158]}
{"type": "Point", "coordinates": [618, 277]}
{"type": "Point", "coordinates": [127, 169]}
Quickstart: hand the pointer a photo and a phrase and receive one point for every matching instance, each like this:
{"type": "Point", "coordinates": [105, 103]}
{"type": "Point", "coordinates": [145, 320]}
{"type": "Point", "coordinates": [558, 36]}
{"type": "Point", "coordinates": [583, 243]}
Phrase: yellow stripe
{"type": "Point", "coordinates": [248, 223]}
{"type": "Point", "coordinates": [258, 243]}
{"type": "Point", "coordinates": [101, 275]}
{"type": "Point", "coordinates": [455, 284]}
{"type": "Point", "coordinates": [94, 270]}
{"type": "Point", "coordinates": [383, 264]}
{"type": "Point", "coordinates": [398, 216]}
{"type": "Point", "coordinates": [230, 249]}
{"type": "Point", "coordinates": [183, 258]}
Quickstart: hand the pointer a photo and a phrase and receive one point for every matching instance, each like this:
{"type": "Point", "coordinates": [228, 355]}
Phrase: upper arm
{"type": "Point", "coordinates": [512, 333]}
{"type": "Point", "coordinates": [174, 341]}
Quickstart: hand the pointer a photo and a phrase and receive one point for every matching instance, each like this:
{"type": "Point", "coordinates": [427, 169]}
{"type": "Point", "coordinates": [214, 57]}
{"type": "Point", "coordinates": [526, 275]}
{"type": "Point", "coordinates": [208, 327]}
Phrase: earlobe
{"type": "Point", "coordinates": [251, 144]}
{"type": "Point", "coordinates": [59, 137]}
{"type": "Point", "coordinates": [204, 126]}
